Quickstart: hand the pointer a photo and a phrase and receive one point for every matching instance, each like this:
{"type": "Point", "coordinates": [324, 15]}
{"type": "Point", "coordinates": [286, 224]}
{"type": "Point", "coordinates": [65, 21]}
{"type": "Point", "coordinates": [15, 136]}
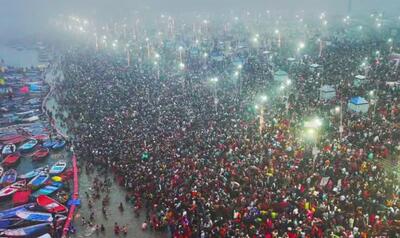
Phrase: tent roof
{"type": "Point", "coordinates": [327, 88]}
{"type": "Point", "coordinates": [314, 65]}
{"type": "Point", "coordinates": [360, 77]}
{"type": "Point", "coordinates": [358, 100]}
{"type": "Point", "coordinates": [280, 73]}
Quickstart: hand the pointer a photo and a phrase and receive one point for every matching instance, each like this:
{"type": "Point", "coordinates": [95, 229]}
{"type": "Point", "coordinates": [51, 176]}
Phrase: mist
{"type": "Point", "coordinates": [22, 18]}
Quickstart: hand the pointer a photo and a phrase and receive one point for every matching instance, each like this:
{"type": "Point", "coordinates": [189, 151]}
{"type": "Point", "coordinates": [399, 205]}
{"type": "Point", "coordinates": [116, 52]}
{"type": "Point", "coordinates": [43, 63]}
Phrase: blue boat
{"type": "Point", "coordinates": [10, 176]}
{"type": "Point", "coordinates": [58, 145]}
{"type": "Point", "coordinates": [33, 173]}
{"type": "Point", "coordinates": [7, 222]}
{"type": "Point", "coordinates": [27, 146]}
{"type": "Point", "coordinates": [48, 189]}
{"type": "Point", "coordinates": [12, 212]}
{"type": "Point", "coordinates": [58, 167]}
{"type": "Point", "coordinates": [35, 216]}
{"type": "Point", "coordinates": [49, 143]}
{"type": "Point", "coordinates": [39, 180]}
{"type": "Point", "coordinates": [28, 231]}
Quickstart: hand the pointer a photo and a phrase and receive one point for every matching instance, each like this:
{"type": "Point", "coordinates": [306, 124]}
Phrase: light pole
{"type": "Point", "coordinates": [180, 53]}
{"type": "Point", "coordinates": [311, 134]}
{"type": "Point", "coordinates": [339, 109]}
{"type": "Point", "coordinates": [279, 37]}
{"type": "Point", "coordinates": [215, 81]}
{"type": "Point", "coordinates": [263, 100]}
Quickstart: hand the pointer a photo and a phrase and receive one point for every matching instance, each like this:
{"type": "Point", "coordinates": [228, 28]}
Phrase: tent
{"type": "Point", "coordinates": [281, 76]}
{"type": "Point", "coordinates": [327, 92]}
{"type": "Point", "coordinates": [359, 79]}
{"type": "Point", "coordinates": [358, 104]}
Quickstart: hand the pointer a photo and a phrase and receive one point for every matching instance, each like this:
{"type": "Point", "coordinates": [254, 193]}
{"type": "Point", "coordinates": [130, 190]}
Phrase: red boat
{"type": "Point", "coordinates": [8, 137]}
{"type": "Point", "coordinates": [21, 197]}
{"type": "Point", "coordinates": [40, 153]}
{"type": "Point", "coordinates": [41, 137]}
{"type": "Point", "coordinates": [16, 140]}
{"type": "Point", "coordinates": [67, 174]}
{"type": "Point", "coordinates": [50, 204]}
{"type": "Point", "coordinates": [11, 159]}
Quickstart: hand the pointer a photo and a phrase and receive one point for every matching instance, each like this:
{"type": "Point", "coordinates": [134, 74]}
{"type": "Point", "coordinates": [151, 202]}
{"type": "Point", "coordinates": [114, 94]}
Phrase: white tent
{"type": "Point", "coordinates": [359, 79]}
{"type": "Point", "coordinates": [358, 104]}
{"type": "Point", "coordinates": [327, 92]}
{"type": "Point", "coordinates": [281, 76]}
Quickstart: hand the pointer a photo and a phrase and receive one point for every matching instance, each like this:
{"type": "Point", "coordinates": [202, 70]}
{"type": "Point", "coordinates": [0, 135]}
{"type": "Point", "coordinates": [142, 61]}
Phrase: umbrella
{"type": "Point", "coordinates": [24, 90]}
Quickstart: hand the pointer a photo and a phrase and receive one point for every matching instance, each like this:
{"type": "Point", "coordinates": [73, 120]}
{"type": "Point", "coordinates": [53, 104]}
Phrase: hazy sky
{"type": "Point", "coordinates": [25, 16]}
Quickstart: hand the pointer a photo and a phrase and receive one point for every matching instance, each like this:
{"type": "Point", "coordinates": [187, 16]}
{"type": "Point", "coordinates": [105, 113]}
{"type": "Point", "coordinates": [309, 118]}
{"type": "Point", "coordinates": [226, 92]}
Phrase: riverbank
{"type": "Point", "coordinates": [86, 178]}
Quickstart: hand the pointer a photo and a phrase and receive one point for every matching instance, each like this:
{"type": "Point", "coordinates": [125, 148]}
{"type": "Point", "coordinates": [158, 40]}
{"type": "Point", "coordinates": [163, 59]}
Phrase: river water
{"type": "Point", "coordinates": [18, 58]}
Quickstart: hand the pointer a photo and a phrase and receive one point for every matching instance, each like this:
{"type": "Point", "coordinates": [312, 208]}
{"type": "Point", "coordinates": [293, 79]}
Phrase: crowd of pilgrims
{"type": "Point", "coordinates": [193, 157]}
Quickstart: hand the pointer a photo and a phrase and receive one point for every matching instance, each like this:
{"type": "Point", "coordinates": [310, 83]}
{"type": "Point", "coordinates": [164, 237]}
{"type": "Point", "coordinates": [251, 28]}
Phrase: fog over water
{"type": "Point", "coordinates": [23, 17]}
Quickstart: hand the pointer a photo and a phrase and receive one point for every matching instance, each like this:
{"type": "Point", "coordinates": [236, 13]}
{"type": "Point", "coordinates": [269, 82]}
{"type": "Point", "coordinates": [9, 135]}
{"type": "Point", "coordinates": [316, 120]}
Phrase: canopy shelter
{"type": "Point", "coordinates": [359, 80]}
{"type": "Point", "coordinates": [358, 104]}
{"type": "Point", "coordinates": [327, 92]}
{"type": "Point", "coordinates": [281, 76]}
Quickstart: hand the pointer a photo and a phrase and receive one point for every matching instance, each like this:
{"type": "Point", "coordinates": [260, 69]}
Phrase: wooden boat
{"type": "Point", "coordinates": [11, 159]}
{"type": "Point", "coordinates": [33, 173]}
{"type": "Point", "coordinates": [58, 145]}
{"type": "Point", "coordinates": [47, 235]}
{"type": "Point", "coordinates": [35, 216]}
{"type": "Point", "coordinates": [21, 197]}
{"type": "Point", "coordinates": [7, 191]}
{"type": "Point", "coordinates": [8, 222]}
{"type": "Point", "coordinates": [1, 170]}
{"type": "Point", "coordinates": [12, 211]}
{"type": "Point", "coordinates": [9, 149]}
{"type": "Point", "coordinates": [50, 204]}
{"type": "Point", "coordinates": [49, 143]}
{"type": "Point", "coordinates": [16, 140]}
{"type": "Point", "coordinates": [58, 167]}
{"type": "Point", "coordinates": [40, 154]}
{"type": "Point", "coordinates": [39, 180]}
{"type": "Point", "coordinates": [41, 137]}
{"type": "Point", "coordinates": [48, 189]}
{"type": "Point", "coordinates": [9, 137]}
{"type": "Point", "coordinates": [28, 231]}
{"type": "Point", "coordinates": [9, 177]}
{"type": "Point", "coordinates": [27, 146]}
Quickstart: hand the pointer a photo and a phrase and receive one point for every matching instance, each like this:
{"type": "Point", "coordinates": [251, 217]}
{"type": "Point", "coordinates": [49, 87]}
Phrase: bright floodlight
{"type": "Point", "coordinates": [371, 93]}
{"type": "Point", "coordinates": [114, 44]}
{"type": "Point", "coordinates": [288, 82]}
{"type": "Point", "coordinates": [157, 55]}
{"type": "Point", "coordinates": [263, 98]}
{"type": "Point", "coordinates": [240, 66]}
{"type": "Point", "coordinates": [301, 45]}
{"type": "Point", "coordinates": [236, 73]}
{"type": "Point", "coordinates": [276, 31]}
{"type": "Point", "coordinates": [181, 65]}
{"type": "Point", "coordinates": [180, 48]}
{"type": "Point", "coordinates": [390, 40]}
{"type": "Point", "coordinates": [337, 109]}
{"type": "Point", "coordinates": [214, 80]}
{"type": "Point", "coordinates": [205, 55]}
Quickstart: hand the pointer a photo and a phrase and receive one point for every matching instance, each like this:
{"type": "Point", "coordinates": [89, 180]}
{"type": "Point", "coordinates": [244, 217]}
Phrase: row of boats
{"type": "Point", "coordinates": [39, 144]}
{"type": "Point", "coordinates": [33, 201]}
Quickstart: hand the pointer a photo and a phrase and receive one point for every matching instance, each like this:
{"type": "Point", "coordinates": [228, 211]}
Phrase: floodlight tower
{"type": "Point", "coordinates": [349, 6]}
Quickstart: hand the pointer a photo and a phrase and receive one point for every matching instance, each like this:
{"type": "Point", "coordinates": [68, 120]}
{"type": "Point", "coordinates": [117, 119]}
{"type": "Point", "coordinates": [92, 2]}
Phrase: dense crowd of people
{"type": "Point", "coordinates": [192, 155]}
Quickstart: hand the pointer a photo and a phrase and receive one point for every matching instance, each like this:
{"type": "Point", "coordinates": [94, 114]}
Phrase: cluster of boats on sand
{"type": "Point", "coordinates": [34, 176]}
